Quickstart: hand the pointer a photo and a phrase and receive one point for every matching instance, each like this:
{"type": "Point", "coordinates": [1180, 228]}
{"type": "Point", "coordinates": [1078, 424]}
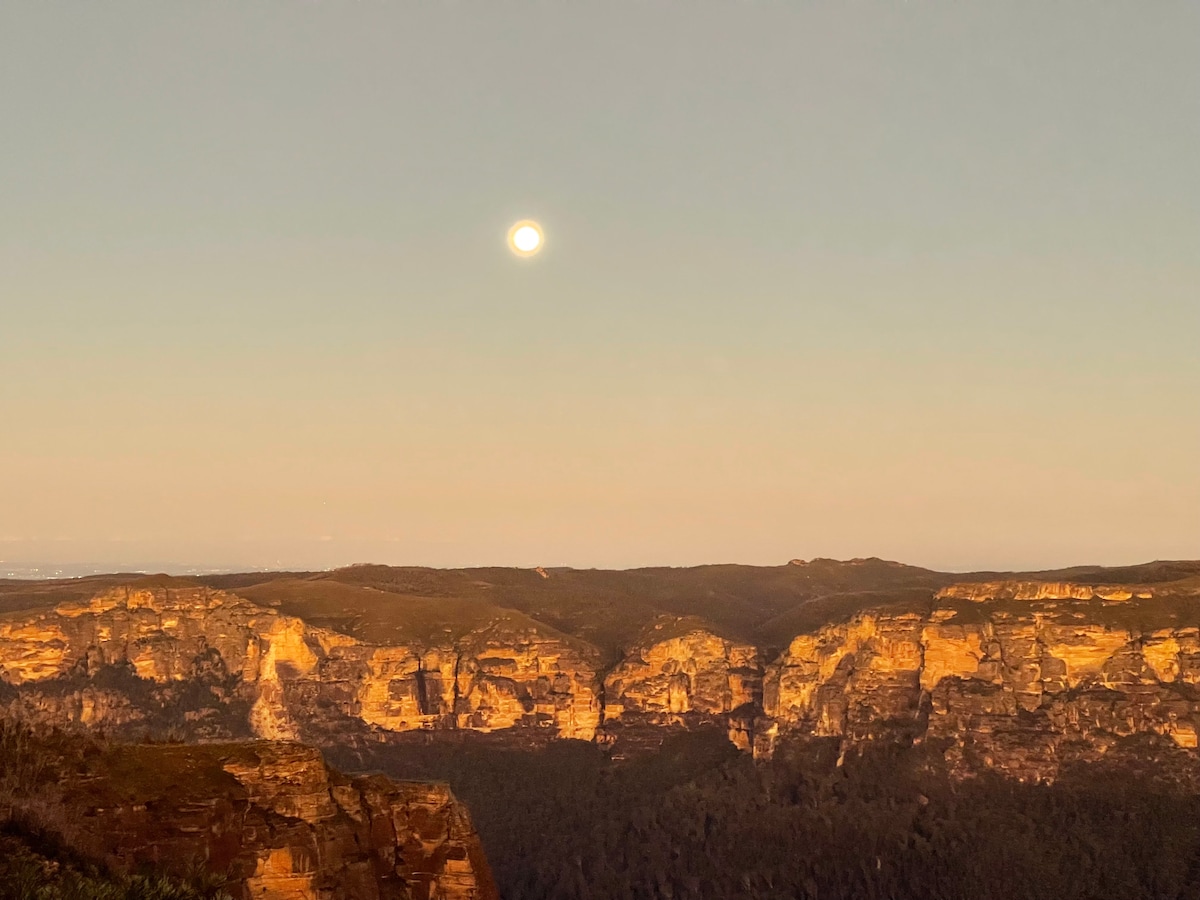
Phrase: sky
{"type": "Point", "coordinates": [918, 280]}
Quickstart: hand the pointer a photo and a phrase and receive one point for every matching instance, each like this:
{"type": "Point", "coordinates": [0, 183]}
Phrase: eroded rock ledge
{"type": "Point", "coordinates": [1019, 674]}
{"type": "Point", "coordinates": [275, 819]}
{"type": "Point", "coordinates": [1042, 590]}
{"type": "Point", "coordinates": [276, 676]}
{"type": "Point", "coordinates": [1068, 672]}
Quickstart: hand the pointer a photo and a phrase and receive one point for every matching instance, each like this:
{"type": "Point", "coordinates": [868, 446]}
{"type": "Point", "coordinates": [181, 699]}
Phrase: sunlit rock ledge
{"type": "Point", "coordinates": [1042, 590]}
{"type": "Point", "coordinates": [1069, 669]}
{"type": "Point", "coordinates": [271, 816]}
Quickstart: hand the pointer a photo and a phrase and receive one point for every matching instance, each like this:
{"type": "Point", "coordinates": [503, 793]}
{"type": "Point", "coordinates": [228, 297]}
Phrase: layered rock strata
{"type": "Point", "coordinates": [276, 676]}
{"type": "Point", "coordinates": [681, 675]}
{"type": "Point", "coordinates": [483, 683]}
{"type": "Point", "coordinates": [277, 821]}
{"type": "Point", "coordinates": [1043, 590]}
{"type": "Point", "coordinates": [854, 679]}
{"type": "Point", "coordinates": [1020, 674]}
{"type": "Point", "coordinates": [690, 670]}
{"type": "Point", "coordinates": [1023, 677]}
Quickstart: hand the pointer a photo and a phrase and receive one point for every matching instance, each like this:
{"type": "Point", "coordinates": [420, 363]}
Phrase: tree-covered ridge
{"type": "Point", "coordinates": [698, 821]}
{"type": "Point", "coordinates": [33, 867]}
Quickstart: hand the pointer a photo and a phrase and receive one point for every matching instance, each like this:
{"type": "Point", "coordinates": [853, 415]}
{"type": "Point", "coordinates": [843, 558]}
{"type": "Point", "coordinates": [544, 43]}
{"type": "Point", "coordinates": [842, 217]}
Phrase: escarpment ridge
{"type": "Point", "coordinates": [269, 818]}
{"type": "Point", "coordinates": [1018, 672]}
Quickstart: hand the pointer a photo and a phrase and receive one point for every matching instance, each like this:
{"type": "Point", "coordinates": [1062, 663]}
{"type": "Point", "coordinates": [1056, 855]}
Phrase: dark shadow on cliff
{"type": "Point", "coordinates": [699, 821]}
{"type": "Point", "coordinates": [207, 706]}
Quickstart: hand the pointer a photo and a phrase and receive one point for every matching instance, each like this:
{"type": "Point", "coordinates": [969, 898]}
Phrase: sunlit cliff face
{"type": "Point", "coordinates": [1016, 675]}
{"type": "Point", "coordinates": [494, 679]}
{"type": "Point", "coordinates": [275, 820]}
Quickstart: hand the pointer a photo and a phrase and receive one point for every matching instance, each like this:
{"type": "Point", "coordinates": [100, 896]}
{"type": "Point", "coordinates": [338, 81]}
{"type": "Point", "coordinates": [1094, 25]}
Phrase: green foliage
{"type": "Point", "coordinates": [28, 761]}
{"type": "Point", "coordinates": [30, 871]}
{"type": "Point", "coordinates": [36, 861]}
{"type": "Point", "coordinates": [170, 710]}
{"type": "Point", "coordinates": [699, 821]}
{"type": "Point", "coordinates": [608, 609]}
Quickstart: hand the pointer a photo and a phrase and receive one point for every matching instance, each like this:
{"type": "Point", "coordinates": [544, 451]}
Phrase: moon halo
{"type": "Point", "coordinates": [525, 238]}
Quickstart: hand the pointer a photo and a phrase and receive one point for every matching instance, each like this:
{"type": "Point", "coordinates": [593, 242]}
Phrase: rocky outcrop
{"type": "Point", "coordinates": [1016, 673]}
{"type": "Point", "coordinates": [276, 820]}
{"type": "Point", "coordinates": [1068, 673]}
{"type": "Point", "coordinates": [681, 674]}
{"type": "Point", "coordinates": [1057, 681]}
{"type": "Point", "coordinates": [487, 682]}
{"type": "Point", "coordinates": [681, 667]}
{"type": "Point", "coordinates": [165, 641]}
{"type": "Point", "coordinates": [276, 676]}
{"type": "Point", "coordinates": [1043, 590]}
{"type": "Point", "coordinates": [855, 679]}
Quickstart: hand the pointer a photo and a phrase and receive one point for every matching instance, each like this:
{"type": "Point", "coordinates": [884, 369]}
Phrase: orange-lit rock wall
{"type": "Point", "coordinates": [280, 823]}
{"type": "Point", "coordinates": [1003, 671]}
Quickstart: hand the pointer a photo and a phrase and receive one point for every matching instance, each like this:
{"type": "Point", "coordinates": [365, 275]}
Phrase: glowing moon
{"type": "Point", "coordinates": [525, 238]}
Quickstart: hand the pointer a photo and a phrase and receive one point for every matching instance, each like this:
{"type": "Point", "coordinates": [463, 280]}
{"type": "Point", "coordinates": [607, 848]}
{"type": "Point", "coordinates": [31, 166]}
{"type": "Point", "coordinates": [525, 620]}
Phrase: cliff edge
{"type": "Point", "coordinates": [272, 818]}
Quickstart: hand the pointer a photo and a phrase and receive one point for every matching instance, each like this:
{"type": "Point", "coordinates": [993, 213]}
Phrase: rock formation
{"type": "Point", "coordinates": [681, 667]}
{"type": "Point", "coordinates": [293, 677]}
{"type": "Point", "coordinates": [275, 819]}
{"type": "Point", "coordinates": [852, 679]}
{"type": "Point", "coordinates": [1067, 672]}
{"type": "Point", "coordinates": [1021, 674]}
{"type": "Point", "coordinates": [1042, 590]}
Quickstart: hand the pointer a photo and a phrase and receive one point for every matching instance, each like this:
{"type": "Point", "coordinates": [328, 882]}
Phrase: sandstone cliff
{"type": "Point", "coordinates": [1021, 676]}
{"type": "Point", "coordinates": [273, 818]}
{"type": "Point", "coordinates": [1020, 673]}
{"type": "Point", "coordinates": [1042, 590]}
{"type": "Point", "coordinates": [679, 667]}
{"type": "Point", "coordinates": [230, 667]}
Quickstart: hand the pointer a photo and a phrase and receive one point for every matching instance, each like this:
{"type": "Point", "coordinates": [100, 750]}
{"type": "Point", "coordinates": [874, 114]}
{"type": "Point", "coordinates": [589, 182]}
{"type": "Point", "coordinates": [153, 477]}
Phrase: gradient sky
{"type": "Point", "coordinates": [918, 280]}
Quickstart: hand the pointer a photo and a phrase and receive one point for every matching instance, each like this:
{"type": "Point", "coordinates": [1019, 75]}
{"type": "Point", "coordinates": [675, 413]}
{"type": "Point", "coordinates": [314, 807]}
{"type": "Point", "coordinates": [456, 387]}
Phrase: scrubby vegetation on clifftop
{"type": "Point", "coordinates": [34, 865]}
{"type": "Point", "coordinates": [268, 820]}
{"type": "Point", "coordinates": [1031, 736]}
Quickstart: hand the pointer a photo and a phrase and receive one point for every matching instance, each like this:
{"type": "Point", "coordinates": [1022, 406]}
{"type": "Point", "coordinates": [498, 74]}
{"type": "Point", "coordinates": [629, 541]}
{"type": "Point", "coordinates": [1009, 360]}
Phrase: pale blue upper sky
{"type": "Point", "coordinates": [919, 280]}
